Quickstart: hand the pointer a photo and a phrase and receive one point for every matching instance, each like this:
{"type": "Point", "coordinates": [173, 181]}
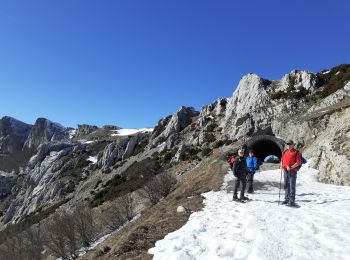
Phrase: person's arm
{"type": "Point", "coordinates": [234, 167]}
{"type": "Point", "coordinates": [298, 161]}
{"type": "Point", "coordinates": [255, 163]}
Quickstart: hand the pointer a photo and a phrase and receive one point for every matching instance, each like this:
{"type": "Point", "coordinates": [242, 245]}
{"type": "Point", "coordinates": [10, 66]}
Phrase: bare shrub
{"type": "Point", "coordinates": [160, 186]}
{"type": "Point", "coordinates": [151, 191]}
{"type": "Point", "coordinates": [13, 243]}
{"type": "Point", "coordinates": [85, 225]}
{"type": "Point", "coordinates": [113, 217]}
{"type": "Point", "coordinates": [35, 240]}
{"type": "Point", "coordinates": [127, 206]}
{"type": "Point", "coordinates": [166, 183]}
{"type": "Point", "coordinates": [62, 236]}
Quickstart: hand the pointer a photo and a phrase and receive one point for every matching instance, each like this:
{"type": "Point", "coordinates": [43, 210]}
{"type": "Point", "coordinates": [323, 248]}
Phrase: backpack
{"type": "Point", "coordinates": [230, 158]}
{"type": "Point", "coordinates": [303, 160]}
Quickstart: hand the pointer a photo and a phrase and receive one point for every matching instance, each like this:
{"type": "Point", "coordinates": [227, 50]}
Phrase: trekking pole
{"type": "Point", "coordinates": [279, 193]}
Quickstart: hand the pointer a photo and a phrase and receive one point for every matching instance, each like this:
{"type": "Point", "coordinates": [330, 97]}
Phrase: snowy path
{"type": "Point", "coordinates": [261, 229]}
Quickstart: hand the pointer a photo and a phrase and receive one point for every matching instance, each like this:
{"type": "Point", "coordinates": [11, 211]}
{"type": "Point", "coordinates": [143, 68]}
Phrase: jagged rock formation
{"type": "Point", "coordinates": [13, 134]}
{"type": "Point", "coordinates": [44, 131]}
{"type": "Point", "coordinates": [168, 129]}
{"type": "Point", "coordinates": [120, 150]}
{"type": "Point", "coordinates": [85, 129]}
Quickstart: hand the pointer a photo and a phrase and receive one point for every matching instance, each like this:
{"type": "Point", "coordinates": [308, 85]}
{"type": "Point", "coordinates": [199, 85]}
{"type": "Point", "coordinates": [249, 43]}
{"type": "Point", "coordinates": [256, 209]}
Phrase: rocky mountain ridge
{"type": "Point", "coordinates": [62, 169]}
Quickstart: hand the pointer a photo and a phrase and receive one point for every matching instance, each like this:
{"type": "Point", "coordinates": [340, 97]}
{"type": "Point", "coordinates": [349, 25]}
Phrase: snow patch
{"type": "Point", "coordinates": [83, 141]}
{"type": "Point", "coordinates": [131, 131]}
{"type": "Point", "coordinates": [92, 159]}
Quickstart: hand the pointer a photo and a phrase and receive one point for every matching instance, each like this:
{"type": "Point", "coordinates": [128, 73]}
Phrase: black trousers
{"type": "Point", "coordinates": [241, 179]}
{"type": "Point", "coordinates": [250, 181]}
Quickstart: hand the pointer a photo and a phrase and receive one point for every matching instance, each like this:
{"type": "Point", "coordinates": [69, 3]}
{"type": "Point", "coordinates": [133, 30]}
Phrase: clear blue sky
{"type": "Point", "coordinates": [129, 63]}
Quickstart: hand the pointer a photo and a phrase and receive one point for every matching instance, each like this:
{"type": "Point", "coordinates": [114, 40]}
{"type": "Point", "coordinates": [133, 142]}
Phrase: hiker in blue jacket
{"type": "Point", "coordinates": [252, 166]}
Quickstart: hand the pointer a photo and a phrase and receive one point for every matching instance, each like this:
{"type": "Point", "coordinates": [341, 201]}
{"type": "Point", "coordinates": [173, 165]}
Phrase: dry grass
{"type": "Point", "coordinates": [134, 240]}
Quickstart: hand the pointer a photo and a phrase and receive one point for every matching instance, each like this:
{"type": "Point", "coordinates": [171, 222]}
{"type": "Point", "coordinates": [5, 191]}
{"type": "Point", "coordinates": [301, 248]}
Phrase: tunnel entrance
{"type": "Point", "coordinates": [264, 145]}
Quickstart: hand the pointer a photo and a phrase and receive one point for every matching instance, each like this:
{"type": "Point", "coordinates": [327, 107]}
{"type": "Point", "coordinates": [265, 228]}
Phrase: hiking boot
{"type": "Point", "coordinates": [285, 202]}
{"type": "Point", "coordinates": [235, 198]}
{"type": "Point", "coordinates": [291, 203]}
{"type": "Point", "coordinates": [251, 191]}
{"type": "Point", "coordinates": [244, 198]}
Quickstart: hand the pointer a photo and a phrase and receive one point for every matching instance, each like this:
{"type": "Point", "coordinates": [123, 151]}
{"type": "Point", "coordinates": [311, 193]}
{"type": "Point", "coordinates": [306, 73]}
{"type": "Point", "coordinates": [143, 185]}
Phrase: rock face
{"type": "Point", "coordinates": [44, 131]}
{"type": "Point", "coordinates": [42, 182]}
{"type": "Point", "coordinates": [84, 129]}
{"type": "Point", "coordinates": [172, 127]}
{"type": "Point", "coordinates": [13, 134]}
{"type": "Point", "coordinates": [331, 149]}
{"type": "Point", "coordinates": [120, 150]}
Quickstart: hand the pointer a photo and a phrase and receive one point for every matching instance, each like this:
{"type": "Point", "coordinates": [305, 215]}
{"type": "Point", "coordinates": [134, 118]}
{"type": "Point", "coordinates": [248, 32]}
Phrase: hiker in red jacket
{"type": "Point", "coordinates": [290, 162]}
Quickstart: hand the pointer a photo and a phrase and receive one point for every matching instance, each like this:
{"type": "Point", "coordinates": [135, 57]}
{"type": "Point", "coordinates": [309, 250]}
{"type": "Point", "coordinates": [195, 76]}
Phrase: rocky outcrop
{"type": "Point", "coordinates": [45, 131]}
{"type": "Point", "coordinates": [112, 153]}
{"type": "Point", "coordinates": [172, 127]}
{"type": "Point", "coordinates": [257, 102]}
{"type": "Point", "coordinates": [13, 134]}
{"type": "Point", "coordinates": [120, 150]}
{"type": "Point", "coordinates": [84, 129]}
{"type": "Point", "coordinates": [110, 127]}
{"type": "Point", "coordinates": [331, 148]}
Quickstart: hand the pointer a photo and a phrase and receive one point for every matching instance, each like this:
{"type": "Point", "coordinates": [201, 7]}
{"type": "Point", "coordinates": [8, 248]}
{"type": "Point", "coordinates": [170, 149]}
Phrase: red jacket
{"type": "Point", "coordinates": [231, 159]}
{"type": "Point", "coordinates": [290, 157]}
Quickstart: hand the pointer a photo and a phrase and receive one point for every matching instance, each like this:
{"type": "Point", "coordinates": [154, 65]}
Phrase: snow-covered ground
{"type": "Point", "coordinates": [125, 131]}
{"type": "Point", "coordinates": [262, 229]}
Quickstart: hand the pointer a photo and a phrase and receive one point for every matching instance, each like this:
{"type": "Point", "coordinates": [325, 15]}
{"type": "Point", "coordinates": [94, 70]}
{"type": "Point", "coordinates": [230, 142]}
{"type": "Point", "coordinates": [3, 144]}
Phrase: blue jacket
{"type": "Point", "coordinates": [252, 163]}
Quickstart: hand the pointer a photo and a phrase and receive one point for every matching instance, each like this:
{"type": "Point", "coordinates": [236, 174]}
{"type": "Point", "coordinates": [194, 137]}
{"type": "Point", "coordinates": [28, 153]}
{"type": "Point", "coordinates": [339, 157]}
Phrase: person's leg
{"type": "Point", "coordinates": [286, 187]}
{"type": "Point", "coordinates": [244, 183]}
{"type": "Point", "coordinates": [293, 181]}
{"type": "Point", "coordinates": [249, 188]}
{"type": "Point", "coordinates": [235, 191]}
{"type": "Point", "coordinates": [251, 182]}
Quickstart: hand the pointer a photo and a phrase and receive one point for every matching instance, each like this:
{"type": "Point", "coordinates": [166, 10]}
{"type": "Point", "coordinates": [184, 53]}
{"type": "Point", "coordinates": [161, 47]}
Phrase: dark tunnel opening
{"type": "Point", "coordinates": [265, 146]}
